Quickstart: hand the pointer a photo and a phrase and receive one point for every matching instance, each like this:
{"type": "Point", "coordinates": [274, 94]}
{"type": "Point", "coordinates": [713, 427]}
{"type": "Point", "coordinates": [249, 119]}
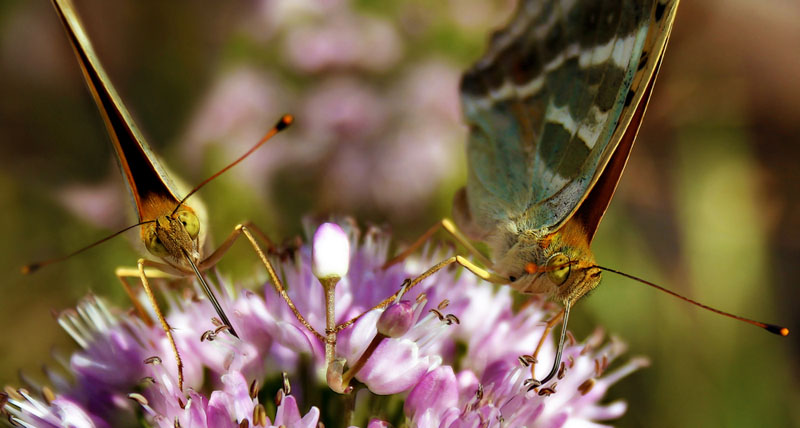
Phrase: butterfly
{"type": "Point", "coordinates": [553, 109]}
{"type": "Point", "coordinates": [171, 229]}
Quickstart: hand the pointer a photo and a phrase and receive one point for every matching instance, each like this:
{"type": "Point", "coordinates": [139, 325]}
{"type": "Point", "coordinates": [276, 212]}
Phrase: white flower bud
{"type": "Point", "coordinates": [330, 252]}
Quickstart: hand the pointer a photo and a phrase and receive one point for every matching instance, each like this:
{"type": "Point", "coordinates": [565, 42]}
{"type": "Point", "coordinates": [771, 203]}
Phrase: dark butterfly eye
{"type": "Point", "coordinates": [512, 278]}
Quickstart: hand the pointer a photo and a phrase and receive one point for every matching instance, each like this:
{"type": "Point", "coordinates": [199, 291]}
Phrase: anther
{"type": "Point", "coordinates": [254, 389]}
{"type": "Point", "coordinates": [527, 360]}
{"type": "Point", "coordinates": [562, 370]}
{"type": "Point", "coordinates": [259, 415]}
{"type": "Point", "coordinates": [48, 395]}
{"type": "Point", "coordinates": [208, 335]}
{"type": "Point", "coordinates": [550, 390]}
{"type": "Point", "coordinates": [287, 387]}
{"type": "Point", "coordinates": [531, 384]}
{"type": "Point", "coordinates": [139, 398]}
{"type": "Point", "coordinates": [586, 386]}
{"type": "Point", "coordinates": [451, 319]}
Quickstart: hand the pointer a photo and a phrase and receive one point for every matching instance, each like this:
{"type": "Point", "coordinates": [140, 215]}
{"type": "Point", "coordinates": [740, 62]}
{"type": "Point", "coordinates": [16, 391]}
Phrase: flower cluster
{"type": "Point", "coordinates": [445, 354]}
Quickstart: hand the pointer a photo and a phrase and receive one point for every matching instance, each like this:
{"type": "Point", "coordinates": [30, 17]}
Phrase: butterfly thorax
{"type": "Point", "coordinates": [557, 264]}
{"type": "Point", "coordinates": [173, 237]}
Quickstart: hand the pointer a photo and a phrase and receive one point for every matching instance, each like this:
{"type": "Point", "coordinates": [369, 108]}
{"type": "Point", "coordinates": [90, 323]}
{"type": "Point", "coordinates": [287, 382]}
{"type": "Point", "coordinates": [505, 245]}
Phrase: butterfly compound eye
{"type": "Point", "coordinates": [558, 268]}
{"type": "Point", "coordinates": [154, 244]}
{"type": "Point", "coordinates": [190, 223]}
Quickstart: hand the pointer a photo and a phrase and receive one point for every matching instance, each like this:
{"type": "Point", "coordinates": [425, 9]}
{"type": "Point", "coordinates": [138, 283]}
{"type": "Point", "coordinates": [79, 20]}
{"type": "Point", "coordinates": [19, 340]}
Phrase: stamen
{"type": "Point", "coordinates": [139, 398]}
{"type": "Point", "coordinates": [586, 386]}
{"type": "Point", "coordinates": [287, 387]}
{"type": "Point", "coordinates": [548, 391]}
{"type": "Point", "coordinates": [562, 370]}
{"type": "Point", "coordinates": [254, 389]}
{"type": "Point", "coordinates": [259, 415]}
{"type": "Point", "coordinates": [451, 319]}
{"type": "Point", "coordinates": [48, 395]}
{"type": "Point", "coordinates": [208, 335]}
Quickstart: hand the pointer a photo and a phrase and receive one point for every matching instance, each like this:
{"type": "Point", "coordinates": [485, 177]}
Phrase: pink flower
{"type": "Point", "coordinates": [448, 351]}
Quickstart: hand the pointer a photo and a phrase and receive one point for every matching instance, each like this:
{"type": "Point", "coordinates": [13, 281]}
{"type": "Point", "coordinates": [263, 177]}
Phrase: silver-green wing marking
{"type": "Point", "coordinates": [550, 100]}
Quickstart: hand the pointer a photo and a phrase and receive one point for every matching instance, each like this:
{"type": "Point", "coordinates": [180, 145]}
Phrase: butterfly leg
{"type": "Point", "coordinates": [547, 328]}
{"type": "Point", "coordinates": [248, 230]}
{"type": "Point", "coordinates": [164, 325]}
{"type": "Point", "coordinates": [127, 272]}
{"type": "Point", "coordinates": [451, 229]}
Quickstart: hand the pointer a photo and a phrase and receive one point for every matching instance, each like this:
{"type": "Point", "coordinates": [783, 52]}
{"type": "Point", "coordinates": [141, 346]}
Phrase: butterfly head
{"type": "Point", "coordinates": [558, 264]}
{"type": "Point", "coordinates": [174, 236]}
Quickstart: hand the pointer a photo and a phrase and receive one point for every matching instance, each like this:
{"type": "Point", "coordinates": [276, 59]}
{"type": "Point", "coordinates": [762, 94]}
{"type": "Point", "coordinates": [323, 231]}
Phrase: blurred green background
{"type": "Point", "coordinates": [708, 205]}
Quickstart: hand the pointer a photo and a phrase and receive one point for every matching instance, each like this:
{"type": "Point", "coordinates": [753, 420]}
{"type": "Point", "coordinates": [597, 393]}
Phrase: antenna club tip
{"type": "Point", "coordinates": [776, 329]}
{"type": "Point", "coordinates": [284, 123]}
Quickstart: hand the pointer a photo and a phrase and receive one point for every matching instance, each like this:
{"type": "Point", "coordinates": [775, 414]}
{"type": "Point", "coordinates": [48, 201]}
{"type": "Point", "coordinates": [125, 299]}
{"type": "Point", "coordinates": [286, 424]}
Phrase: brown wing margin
{"type": "Point", "coordinates": [594, 206]}
{"type": "Point", "coordinates": [153, 196]}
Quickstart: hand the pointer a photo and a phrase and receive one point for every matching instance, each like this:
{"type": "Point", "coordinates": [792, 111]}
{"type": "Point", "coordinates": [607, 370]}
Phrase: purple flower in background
{"type": "Point", "coordinates": [446, 352]}
{"type": "Point", "coordinates": [375, 92]}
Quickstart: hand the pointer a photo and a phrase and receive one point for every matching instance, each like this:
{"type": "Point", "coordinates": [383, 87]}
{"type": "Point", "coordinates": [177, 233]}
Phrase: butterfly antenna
{"type": "Point", "coordinates": [772, 328]}
{"type": "Point", "coordinates": [282, 124]}
{"type": "Point", "coordinates": [33, 267]}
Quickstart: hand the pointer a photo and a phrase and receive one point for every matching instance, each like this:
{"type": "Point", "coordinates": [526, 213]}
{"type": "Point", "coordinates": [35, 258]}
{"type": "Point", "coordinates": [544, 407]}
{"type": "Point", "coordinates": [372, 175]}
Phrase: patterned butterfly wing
{"type": "Point", "coordinates": [549, 102]}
